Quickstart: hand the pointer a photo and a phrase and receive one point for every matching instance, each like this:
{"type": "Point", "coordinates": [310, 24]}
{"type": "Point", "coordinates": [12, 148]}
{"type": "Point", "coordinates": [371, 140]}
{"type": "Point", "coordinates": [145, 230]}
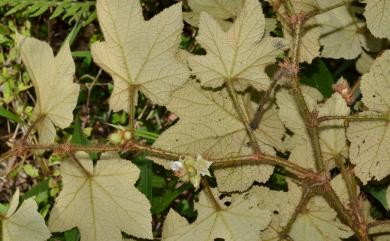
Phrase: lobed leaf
{"type": "Point", "coordinates": [377, 13]}
{"type": "Point", "coordinates": [52, 78]}
{"type": "Point", "coordinates": [25, 223]}
{"type": "Point", "coordinates": [240, 54]}
{"type": "Point", "coordinates": [370, 140]}
{"type": "Point", "coordinates": [242, 220]}
{"type": "Point", "coordinates": [139, 54]}
{"type": "Point", "coordinates": [103, 202]}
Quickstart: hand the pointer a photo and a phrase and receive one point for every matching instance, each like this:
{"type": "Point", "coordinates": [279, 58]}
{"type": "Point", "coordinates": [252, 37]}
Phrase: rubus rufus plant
{"type": "Point", "coordinates": [235, 123]}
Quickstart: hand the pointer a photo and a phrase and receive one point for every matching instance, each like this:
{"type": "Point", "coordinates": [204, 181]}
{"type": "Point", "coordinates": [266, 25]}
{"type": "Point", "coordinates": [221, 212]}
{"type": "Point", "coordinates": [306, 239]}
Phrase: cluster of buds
{"type": "Point", "coordinates": [189, 169]}
{"type": "Point", "coordinates": [120, 137]}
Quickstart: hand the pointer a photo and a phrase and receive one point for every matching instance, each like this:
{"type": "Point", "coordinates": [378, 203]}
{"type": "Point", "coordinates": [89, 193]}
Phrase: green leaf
{"type": "Point", "coordinates": [78, 136]}
{"type": "Point", "coordinates": [59, 10]}
{"type": "Point", "coordinates": [31, 170]}
{"type": "Point", "coordinates": [82, 54]}
{"type": "Point", "coordinates": [318, 76]}
{"type": "Point", "coordinates": [3, 209]}
{"type": "Point", "coordinates": [161, 203]}
{"type": "Point", "coordinates": [9, 115]}
{"type": "Point", "coordinates": [41, 187]}
{"type": "Point", "coordinates": [145, 183]}
{"type": "Point", "coordinates": [146, 134]}
{"type": "Point", "coordinates": [379, 193]}
{"type": "Point", "coordinates": [158, 182]}
{"type": "Point", "coordinates": [72, 235]}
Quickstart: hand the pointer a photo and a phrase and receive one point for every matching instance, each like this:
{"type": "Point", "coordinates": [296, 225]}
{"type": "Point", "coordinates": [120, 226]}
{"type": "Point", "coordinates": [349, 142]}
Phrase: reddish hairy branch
{"type": "Point", "coordinates": [264, 99]}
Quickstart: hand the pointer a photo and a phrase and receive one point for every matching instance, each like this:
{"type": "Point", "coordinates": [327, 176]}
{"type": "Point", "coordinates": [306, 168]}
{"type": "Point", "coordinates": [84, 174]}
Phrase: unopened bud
{"type": "Point", "coordinates": [115, 138]}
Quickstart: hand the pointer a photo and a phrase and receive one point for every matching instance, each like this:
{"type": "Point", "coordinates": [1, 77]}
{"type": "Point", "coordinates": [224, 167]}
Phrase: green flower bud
{"type": "Point", "coordinates": [127, 135]}
{"type": "Point", "coordinates": [115, 138]}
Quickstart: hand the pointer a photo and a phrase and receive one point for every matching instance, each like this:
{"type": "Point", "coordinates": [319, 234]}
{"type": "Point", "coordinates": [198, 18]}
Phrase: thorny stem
{"type": "Point", "coordinates": [264, 99]}
{"type": "Point", "coordinates": [291, 167]}
{"type": "Point", "coordinates": [311, 124]}
{"type": "Point", "coordinates": [210, 194]}
{"type": "Point", "coordinates": [305, 198]}
{"type": "Point", "coordinates": [334, 201]}
{"type": "Point", "coordinates": [242, 116]}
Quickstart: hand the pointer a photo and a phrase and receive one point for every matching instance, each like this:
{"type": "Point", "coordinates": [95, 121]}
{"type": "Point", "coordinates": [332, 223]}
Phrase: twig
{"type": "Point", "coordinates": [378, 223]}
{"type": "Point", "coordinates": [263, 100]}
{"type": "Point", "coordinates": [334, 201]}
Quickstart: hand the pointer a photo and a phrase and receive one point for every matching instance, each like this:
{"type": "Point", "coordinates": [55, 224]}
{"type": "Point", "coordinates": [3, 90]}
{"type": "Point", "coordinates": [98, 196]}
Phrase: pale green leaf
{"type": "Point", "coordinates": [317, 222]}
{"type": "Point", "coordinates": [210, 126]}
{"type": "Point", "coordinates": [139, 53]}
{"type": "Point", "coordinates": [242, 220]}
{"type": "Point", "coordinates": [52, 78]}
{"type": "Point", "coordinates": [333, 140]}
{"type": "Point", "coordinates": [341, 33]}
{"type": "Point", "coordinates": [370, 140]}
{"type": "Point", "coordinates": [281, 204]}
{"type": "Point", "coordinates": [102, 203]}
{"type": "Point", "coordinates": [377, 14]}
{"type": "Point", "coordinates": [25, 223]}
{"type": "Point", "coordinates": [221, 10]}
{"type": "Point", "coordinates": [239, 55]}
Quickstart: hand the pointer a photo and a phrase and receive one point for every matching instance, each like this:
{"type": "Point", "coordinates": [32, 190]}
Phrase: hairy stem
{"type": "Point", "coordinates": [262, 159]}
{"type": "Point", "coordinates": [242, 116]}
{"type": "Point", "coordinates": [311, 126]}
{"type": "Point", "coordinates": [355, 118]}
{"type": "Point", "coordinates": [378, 223]}
{"type": "Point", "coordinates": [334, 201]}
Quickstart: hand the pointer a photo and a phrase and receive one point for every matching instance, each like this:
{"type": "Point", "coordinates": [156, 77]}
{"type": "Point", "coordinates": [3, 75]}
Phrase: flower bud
{"type": "Point", "coordinates": [115, 138]}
